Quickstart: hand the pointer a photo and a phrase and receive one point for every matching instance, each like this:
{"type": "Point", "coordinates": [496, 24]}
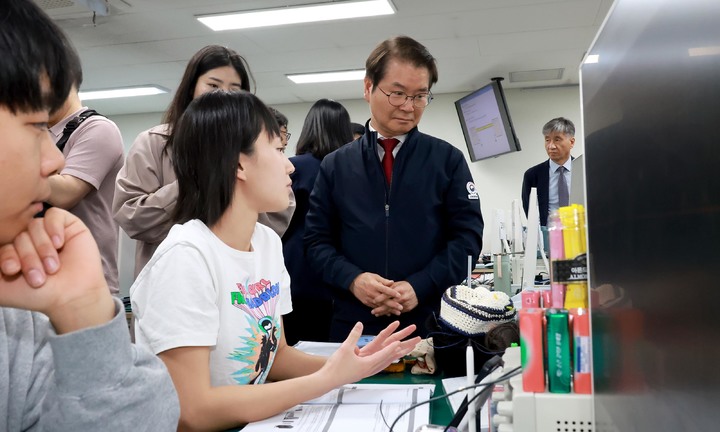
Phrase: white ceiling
{"type": "Point", "coordinates": [150, 42]}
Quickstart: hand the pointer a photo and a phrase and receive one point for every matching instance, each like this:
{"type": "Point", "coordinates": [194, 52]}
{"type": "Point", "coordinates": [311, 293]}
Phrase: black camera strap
{"type": "Point", "coordinates": [67, 131]}
{"type": "Point", "coordinates": [72, 125]}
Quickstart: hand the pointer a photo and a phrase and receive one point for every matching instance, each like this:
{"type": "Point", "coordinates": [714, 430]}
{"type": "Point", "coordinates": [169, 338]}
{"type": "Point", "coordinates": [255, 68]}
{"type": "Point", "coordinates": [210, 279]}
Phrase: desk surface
{"type": "Point", "coordinates": [440, 411]}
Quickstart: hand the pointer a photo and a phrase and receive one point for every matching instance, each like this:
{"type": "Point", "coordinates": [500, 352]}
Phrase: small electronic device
{"type": "Point", "coordinates": [364, 340]}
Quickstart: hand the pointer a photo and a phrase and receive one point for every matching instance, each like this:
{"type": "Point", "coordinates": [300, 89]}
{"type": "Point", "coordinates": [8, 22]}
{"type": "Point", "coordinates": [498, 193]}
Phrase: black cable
{"type": "Point", "coordinates": [463, 409]}
{"type": "Point", "coordinates": [486, 370]}
{"type": "Point", "coordinates": [466, 404]}
{"type": "Point", "coordinates": [382, 414]}
{"type": "Point", "coordinates": [502, 378]}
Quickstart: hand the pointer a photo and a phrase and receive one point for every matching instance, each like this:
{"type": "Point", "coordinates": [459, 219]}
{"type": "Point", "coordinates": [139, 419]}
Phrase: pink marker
{"type": "Point", "coordinates": [530, 299]}
{"type": "Point", "coordinates": [546, 296]}
{"type": "Point", "coordinates": [531, 350]}
{"type": "Point", "coordinates": [557, 252]}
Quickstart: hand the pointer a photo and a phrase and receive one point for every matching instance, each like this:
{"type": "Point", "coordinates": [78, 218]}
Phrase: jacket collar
{"type": "Point", "coordinates": [369, 140]}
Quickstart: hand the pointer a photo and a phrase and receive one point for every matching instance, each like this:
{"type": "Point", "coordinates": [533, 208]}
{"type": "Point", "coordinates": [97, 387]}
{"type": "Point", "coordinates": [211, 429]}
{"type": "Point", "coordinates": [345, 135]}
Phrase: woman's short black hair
{"type": "Point", "coordinates": [357, 129]}
{"type": "Point", "coordinates": [210, 136]}
{"type": "Point", "coordinates": [32, 49]}
{"type": "Point", "coordinates": [326, 129]}
{"type": "Point", "coordinates": [282, 120]}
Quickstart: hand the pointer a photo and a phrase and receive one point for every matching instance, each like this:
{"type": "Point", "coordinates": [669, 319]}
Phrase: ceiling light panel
{"type": "Point", "coordinates": [296, 15]}
{"type": "Point", "coordinates": [121, 92]}
{"type": "Point", "coordinates": [351, 75]}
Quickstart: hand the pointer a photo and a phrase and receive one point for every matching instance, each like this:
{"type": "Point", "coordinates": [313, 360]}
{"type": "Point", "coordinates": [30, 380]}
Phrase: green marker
{"type": "Point", "coordinates": [558, 351]}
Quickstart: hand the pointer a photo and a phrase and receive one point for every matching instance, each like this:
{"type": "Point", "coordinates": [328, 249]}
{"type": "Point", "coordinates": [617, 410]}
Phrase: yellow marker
{"type": "Point", "coordinates": [573, 221]}
{"type": "Point", "coordinates": [582, 225]}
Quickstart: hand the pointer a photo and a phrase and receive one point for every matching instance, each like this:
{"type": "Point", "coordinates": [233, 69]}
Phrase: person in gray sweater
{"type": "Point", "coordinates": [66, 361]}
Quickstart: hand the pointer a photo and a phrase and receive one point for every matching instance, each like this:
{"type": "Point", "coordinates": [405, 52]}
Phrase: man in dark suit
{"type": "Point", "coordinates": [552, 178]}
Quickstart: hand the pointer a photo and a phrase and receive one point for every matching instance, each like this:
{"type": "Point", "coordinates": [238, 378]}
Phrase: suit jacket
{"type": "Point", "coordinates": [537, 177]}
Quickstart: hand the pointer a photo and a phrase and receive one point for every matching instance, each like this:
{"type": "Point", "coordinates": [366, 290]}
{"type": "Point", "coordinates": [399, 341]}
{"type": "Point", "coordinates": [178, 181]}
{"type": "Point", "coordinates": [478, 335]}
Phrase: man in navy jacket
{"type": "Point", "coordinates": [390, 245]}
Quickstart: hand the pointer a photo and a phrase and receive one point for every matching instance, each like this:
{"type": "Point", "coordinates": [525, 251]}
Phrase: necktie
{"type": "Point", "coordinates": [563, 195]}
{"type": "Point", "coordinates": [388, 144]}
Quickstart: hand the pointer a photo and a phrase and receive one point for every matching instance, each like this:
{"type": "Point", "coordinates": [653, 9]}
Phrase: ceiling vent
{"type": "Point", "coordinates": [69, 9]}
{"type": "Point", "coordinates": [536, 75]}
{"type": "Point", "coordinates": [47, 5]}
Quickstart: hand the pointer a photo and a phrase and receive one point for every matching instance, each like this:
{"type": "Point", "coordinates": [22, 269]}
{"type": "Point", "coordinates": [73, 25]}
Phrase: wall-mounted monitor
{"type": "Point", "coordinates": [486, 123]}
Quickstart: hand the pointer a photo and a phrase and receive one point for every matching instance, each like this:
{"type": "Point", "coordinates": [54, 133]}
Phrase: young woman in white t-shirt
{"type": "Point", "coordinates": [210, 300]}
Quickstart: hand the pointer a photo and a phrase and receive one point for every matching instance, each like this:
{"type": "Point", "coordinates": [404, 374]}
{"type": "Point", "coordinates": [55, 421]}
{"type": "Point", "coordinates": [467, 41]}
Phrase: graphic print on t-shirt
{"type": "Point", "coordinates": [258, 301]}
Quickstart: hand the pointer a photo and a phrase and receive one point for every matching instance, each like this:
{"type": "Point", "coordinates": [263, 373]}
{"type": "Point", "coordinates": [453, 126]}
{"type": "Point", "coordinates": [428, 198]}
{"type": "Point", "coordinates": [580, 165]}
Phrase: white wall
{"type": "Point", "coordinates": [498, 180]}
{"type": "Point", "coordinates": [132, 124]}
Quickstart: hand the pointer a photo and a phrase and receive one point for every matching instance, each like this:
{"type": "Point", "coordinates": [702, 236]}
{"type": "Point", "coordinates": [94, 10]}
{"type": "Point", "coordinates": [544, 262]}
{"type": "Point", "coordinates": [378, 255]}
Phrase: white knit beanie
{"type": "Point", "coordinates": [474, 311]}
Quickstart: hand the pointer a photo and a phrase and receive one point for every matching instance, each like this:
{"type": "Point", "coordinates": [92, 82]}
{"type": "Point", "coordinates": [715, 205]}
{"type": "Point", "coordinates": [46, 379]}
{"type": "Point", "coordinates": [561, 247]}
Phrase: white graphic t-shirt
{"type": "Point", "coordinates": [198, 291]}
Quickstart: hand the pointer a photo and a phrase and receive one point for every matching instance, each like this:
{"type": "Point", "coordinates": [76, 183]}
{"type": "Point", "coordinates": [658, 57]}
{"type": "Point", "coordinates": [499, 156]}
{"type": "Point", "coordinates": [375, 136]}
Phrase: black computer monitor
{"type": "Point", "coordinates": [486, 122]}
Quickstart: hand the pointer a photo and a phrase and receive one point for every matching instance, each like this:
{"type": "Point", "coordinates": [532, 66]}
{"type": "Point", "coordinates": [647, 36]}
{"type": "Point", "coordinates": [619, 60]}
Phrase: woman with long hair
{"type": "Point", "coordinates": [146, 189]}
{"type": "Point", "coordinates": [327, 127]}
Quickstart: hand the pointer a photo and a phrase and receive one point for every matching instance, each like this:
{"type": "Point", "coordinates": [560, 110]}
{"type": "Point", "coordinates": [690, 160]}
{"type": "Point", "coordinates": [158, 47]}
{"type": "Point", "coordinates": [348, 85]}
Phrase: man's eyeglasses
{"type": "Point", "coordinates": [398, 98]}
{"type": "Point", "coordinates": [287, 135]}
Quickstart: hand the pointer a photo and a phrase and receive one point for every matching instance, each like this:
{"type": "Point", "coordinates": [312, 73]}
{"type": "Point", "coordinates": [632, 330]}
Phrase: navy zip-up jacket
{"type": "Point", "coordinates": [420, 229]}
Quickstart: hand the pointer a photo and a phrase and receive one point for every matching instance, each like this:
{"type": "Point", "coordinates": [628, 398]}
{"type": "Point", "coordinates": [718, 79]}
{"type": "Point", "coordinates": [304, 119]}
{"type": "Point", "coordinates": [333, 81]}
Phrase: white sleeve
{"type": "Point", "coordinates": [285, 306]}
{"type": "Point", "coordinates": [175, 301]}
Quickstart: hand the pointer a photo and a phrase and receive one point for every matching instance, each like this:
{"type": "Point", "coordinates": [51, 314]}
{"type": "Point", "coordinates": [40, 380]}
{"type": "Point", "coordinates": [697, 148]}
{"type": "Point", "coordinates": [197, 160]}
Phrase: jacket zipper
{"type": "Point", "coordinates": [387, 235]}
{"type": "Point", "coordinates": [387, 216]}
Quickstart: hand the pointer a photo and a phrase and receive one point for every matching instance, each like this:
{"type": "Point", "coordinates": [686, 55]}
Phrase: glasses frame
{"type": "Point", "coordinates": [429, 94]}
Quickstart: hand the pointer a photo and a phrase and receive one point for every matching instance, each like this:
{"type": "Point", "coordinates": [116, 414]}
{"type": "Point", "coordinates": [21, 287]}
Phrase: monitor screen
{"type": "Point", "coordinates": [486, 123]}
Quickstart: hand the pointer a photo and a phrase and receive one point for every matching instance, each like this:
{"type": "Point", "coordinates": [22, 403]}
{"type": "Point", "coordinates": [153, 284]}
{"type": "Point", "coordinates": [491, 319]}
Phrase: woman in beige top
{"type": "Point", "coordinates": [146, 189]}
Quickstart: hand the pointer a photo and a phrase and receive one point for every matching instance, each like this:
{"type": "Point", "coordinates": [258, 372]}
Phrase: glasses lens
{"type": "Point", "coordinates": [421, 101]}
{"type": "Point", "coordinates": [397, 98]}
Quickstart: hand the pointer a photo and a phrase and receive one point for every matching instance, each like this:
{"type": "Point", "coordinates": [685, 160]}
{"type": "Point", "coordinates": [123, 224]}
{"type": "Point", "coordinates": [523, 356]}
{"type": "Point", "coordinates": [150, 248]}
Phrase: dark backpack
{"type": "Point", "coordinates": [69, 129]}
